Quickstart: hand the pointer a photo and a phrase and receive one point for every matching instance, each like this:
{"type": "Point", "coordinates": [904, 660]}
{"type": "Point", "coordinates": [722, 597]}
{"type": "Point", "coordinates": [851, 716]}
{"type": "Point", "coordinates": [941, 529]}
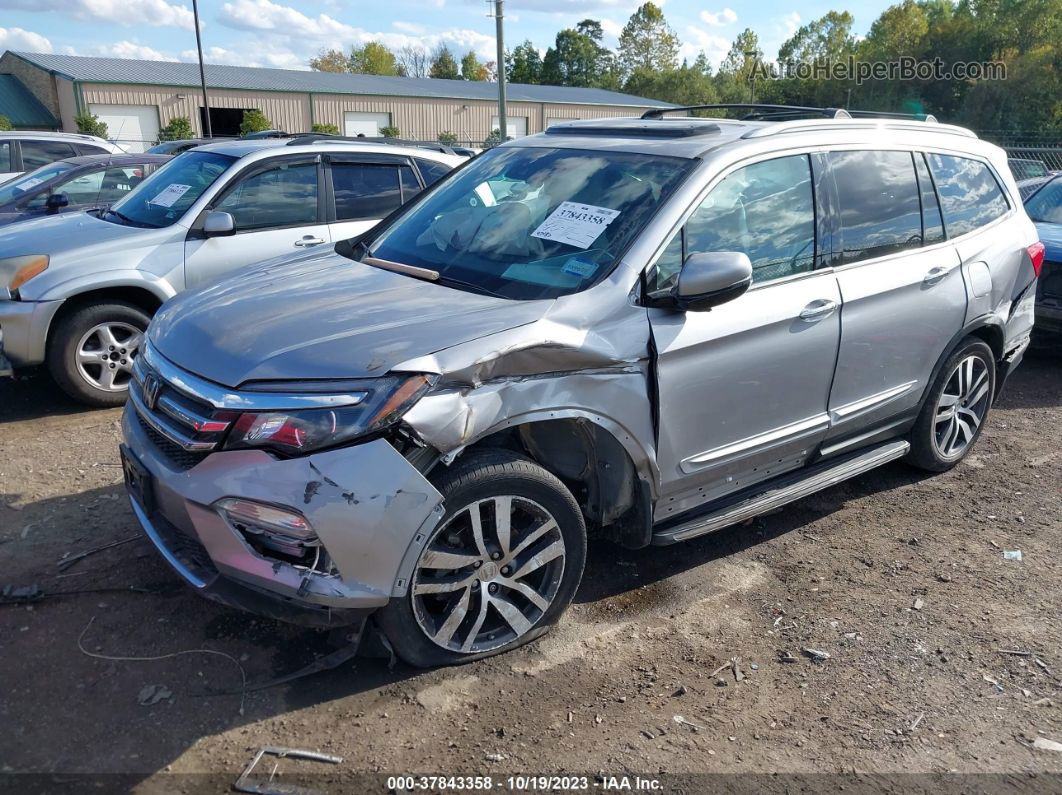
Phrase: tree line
{"type": "Point", "coordinates": [1023, 35]}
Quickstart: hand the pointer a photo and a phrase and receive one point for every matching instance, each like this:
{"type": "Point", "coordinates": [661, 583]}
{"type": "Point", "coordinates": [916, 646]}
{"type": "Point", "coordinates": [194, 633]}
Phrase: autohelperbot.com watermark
{"type": "Point", "coordinates": [859, 71]}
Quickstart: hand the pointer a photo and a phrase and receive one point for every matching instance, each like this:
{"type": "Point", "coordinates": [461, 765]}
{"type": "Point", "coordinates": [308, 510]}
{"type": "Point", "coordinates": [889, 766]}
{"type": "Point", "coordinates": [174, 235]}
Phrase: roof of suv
{"type": "Point", "coordinates": [691, 137]}
{"type": "Point", "coordinates": [243, 147]}
{"type": "Point", "coordinates": [54, 136]}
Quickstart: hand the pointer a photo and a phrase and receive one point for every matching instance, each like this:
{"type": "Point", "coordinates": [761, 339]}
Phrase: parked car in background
{"type": "Point", "coordinates": [22, 151]}
{"type": "Point", "coordinates": [77, 290]}
{"type": "Point", "coordinates": [1045, 209]}
{"type": "Point", "coordinates": [182, 145]}
{"type": "Point", "coordinates": [75, 184]}
{"type": "Point", "coordinates": [1027, 168]}
{"type": "Point", "coordinates": [655, 328]}
{"type": "Point", "coordinates": [1026, 187]}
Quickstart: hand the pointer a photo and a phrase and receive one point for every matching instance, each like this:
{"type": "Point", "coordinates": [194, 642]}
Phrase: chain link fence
{"type": "Point", "coordinates": [1036, 152]}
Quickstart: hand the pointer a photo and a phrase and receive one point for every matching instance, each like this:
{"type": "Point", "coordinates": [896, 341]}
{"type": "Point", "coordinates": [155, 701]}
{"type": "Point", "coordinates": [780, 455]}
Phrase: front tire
{"type": "Point", "coordinates": [499, 569]}
{"type": "Point", "coordinates": [92, 351]}
{"type": "Point", "coordinates": [955, 409]}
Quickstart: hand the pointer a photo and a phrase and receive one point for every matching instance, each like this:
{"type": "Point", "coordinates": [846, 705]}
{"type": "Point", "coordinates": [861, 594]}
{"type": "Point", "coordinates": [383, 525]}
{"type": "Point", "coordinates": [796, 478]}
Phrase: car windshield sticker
{"type": "Point", "coordinates": [579, 267]}
{"type": "Point", "coordinates": [576, 224]}
{"type": "Point", "coordinates": [170, 195]}
{"type": "Point", "coordinates": [32, 182]}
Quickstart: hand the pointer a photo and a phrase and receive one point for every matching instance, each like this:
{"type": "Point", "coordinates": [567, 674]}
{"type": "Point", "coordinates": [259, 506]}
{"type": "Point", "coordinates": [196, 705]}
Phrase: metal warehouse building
{"type": "Point", "coordinates": [136, 98]}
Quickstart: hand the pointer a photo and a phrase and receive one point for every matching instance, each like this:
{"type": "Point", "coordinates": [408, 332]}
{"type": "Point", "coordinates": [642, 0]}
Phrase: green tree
{"type": "Point", "coordinates": [374, 58]}
{"type": "Point", "coordinates": [5, 123]}
{"type": "Point", "coordinates": [472, 69]}
{"type": "Point", "coordinates": [493, 139]}
{"type": "Point", "coordinates": [447, 137]}
{"type": "Point", "coordinates": [327, 129]}
{"type": "Point", "coordinates": [647, 41]}
{"type": "Point", "coordinates": [686, 85]}
{"type": "Point", "coordinates": [736, 78]}
{"type": "Point", "coordinates": [828, 39]}
{"type": "Point", "coordinates": [90, 124]}
{"type": "Point", "coordinates": [577, 57]}
{"type": "Point", "coordinates": [443, 66]}
{"type": "Point", "coordinates": [179, 128]}
{"type": "Point", "coordinates": [254, 121]}
{"type": "Point", "coordinates": [523, 64]}
{"type": "Point", "coordinates": [330, 61]}
{"type": "Point", "coordinates": [390, 132]}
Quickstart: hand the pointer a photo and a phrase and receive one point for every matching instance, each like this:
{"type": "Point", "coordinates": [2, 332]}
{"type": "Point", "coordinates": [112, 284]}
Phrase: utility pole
{"type": "Point", "coordinates": [499, 15]}
{"type": "Point", "coordinates": [202, 71]}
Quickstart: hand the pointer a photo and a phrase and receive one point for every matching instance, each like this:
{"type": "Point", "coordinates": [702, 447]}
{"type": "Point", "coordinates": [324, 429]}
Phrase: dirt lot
{"type": "Point", "coordinates": [900, 578]}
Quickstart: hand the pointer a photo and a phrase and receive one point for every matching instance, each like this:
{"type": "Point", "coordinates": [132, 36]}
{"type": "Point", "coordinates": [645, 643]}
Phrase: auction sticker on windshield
{"type": "Point", "coordinates": [170, 194]}
{"type": "Point", "coordinates": [576, 224]}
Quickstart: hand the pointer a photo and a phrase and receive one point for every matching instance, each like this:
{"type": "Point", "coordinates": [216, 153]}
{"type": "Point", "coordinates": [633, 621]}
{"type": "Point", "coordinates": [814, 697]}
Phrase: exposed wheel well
{"type": "Point", "coordinates": [594, 465]}
{"type": "Point", "coordinates": [992, 335]}
{"type": "Point", "coordinates": [144, 299]}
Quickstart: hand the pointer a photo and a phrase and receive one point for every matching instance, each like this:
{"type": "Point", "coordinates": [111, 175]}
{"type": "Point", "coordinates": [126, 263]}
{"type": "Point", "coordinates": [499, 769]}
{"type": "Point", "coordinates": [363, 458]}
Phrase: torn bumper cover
{"type": "Point", "coordinates": [369, 507]}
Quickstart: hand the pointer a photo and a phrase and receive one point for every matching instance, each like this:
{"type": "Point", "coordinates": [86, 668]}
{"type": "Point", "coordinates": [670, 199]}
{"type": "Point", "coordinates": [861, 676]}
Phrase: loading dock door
{"type": "Point", "coordinates": [363, 123]}
{"type": "Point", "coordinates": [134, 127]}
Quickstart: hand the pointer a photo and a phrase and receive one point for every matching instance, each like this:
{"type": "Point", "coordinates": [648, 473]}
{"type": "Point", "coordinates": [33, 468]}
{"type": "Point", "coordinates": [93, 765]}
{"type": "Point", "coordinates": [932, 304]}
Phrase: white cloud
{"type": "Point", "coordinates": [611, 27]}
{"type": "Point", "coordinates": [130, 49]}
{"type": "Point", "coordinates": [19, 39]}
{"type": "Point", "coordinates": [697, 41]}
{"type": "Point", "coordinates": [725, 17]}
{"type": "Point", "coordinates": [409, 27]}
{"type": "Point", "coordinates": [790, 22]}
{"type": "Point", "coordinates": [275, 58]}
{"type": "Point", "coordinates": [158, 13]}
{"type": "Point", "coordinates": [778, 32]}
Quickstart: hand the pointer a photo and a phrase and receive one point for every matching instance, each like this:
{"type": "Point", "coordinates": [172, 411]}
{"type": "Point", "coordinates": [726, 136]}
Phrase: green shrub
{"type": "Point", "coordinates": [493, 139]}
{"type": "Point", "coordinates": [390, 132]}
{"type": "Point", "coordinates": [179, 128]}
{"type": "Point", "coordinates": [448, 138]}
{"type": "Point", "coordinates": [90, 124]}
{"type": "Point", "coordinates": [330, 129]}
{"type": "Point", "coordinates": [254, 121]}
{"type": "Point", "coordinates": [5, 123]}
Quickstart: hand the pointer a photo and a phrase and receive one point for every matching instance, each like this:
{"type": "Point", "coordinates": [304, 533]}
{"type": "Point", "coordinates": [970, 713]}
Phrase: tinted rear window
{"type": "Point", "coordinates": [969, 194]}
{"type": "Point", "coordinates": [880, 208]}
{"type": "Point", "coordinates": [40, 153]}
{"type": "Point", "coordinates": [432, 171]}
{"type": "Point", "coordinates": [371, 190]}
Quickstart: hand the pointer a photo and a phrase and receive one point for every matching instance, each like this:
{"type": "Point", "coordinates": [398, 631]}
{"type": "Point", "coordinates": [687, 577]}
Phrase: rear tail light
{"type": "Point", "coordinates": [1036, 254]}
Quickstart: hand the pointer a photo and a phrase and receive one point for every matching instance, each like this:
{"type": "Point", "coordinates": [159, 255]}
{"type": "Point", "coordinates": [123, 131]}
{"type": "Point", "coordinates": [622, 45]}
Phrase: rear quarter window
{"type": "Point", "coordinates": [970, 196]}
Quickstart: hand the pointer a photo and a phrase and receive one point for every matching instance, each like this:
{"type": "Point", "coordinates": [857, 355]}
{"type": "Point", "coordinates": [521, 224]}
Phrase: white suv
{"type": "Point", "coordinates": [77, 290]}
{"type": "Point", "coordinates": [24, 150]}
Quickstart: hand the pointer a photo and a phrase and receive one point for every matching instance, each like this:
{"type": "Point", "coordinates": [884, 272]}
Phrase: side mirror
{"type": "Point", "coordinates": [712, 278]}
{"type": "Point", "coordinates": [56, 201]}
{"type": "Point", "coordinates": [219, 224]}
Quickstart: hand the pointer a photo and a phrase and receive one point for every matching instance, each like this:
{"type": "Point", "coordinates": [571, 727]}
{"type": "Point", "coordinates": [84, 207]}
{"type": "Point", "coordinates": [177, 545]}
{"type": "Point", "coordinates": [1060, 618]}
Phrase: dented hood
{"type": "Point", "coordinates": [322, 316]}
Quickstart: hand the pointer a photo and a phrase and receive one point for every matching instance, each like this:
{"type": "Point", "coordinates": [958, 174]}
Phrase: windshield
{"type": "Point", "coordinates": [1046, 204]}
{"type": "Point", "coordinates": [167, 194]}
{"type": "Point", "coordinates": [531, 222]}
{"type": "Point", "coordinates": [19, 185]}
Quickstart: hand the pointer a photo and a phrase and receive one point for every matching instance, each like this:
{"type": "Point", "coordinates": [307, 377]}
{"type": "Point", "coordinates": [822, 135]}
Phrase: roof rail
{"type": "Point", "coordinates": [866, 123]}
{"type": "Point", "coordinates": [297, 139]}
{"type": "Point", "coordinates": [763, 112]}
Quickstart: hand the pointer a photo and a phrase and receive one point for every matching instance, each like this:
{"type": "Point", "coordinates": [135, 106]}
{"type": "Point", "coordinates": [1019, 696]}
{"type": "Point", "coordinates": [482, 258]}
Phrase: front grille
{"type": "Point", "coordinates": [1050, 285]}
{"type": "Point", "coordinates": [185, 430]}
{"type": "Point", "coordinates": [180, 458]}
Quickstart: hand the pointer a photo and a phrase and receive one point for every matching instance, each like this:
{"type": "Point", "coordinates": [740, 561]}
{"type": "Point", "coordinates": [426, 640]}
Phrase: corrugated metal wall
{"type": "Point", "coordinates": [423, 119]}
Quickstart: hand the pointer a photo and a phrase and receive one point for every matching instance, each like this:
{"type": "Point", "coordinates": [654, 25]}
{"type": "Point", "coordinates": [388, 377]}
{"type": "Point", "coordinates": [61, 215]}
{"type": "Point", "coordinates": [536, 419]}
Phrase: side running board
{"type": "Point", "coordinates": [808, 482]}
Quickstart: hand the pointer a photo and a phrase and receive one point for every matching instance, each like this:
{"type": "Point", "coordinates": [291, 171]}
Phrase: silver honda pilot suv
{"type": "Point", "coordinates": [644, 329]}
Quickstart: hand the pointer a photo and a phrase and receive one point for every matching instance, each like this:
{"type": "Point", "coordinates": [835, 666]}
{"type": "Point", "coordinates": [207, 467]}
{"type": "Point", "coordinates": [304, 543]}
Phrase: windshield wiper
{"type": "Point", "coordinates": [132, 222]}
{"type": "Point", "coordinates": [400, 267]}
{"type": "Point", "coordinates": [450, 281]}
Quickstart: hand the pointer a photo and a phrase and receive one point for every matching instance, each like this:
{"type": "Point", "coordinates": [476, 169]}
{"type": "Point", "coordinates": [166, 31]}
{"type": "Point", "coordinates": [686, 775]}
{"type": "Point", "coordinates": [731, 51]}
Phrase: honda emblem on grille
{"type": "Point", "coordinates": [151, 391]}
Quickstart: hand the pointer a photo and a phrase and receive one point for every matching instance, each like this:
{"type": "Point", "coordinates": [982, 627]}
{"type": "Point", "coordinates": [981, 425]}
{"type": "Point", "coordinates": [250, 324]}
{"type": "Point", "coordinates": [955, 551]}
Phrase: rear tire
{"type": "Point", "coordinates": [481, 587]}
{"type": "Point", "coordinates": [92, 350]}
{"type": "Point", "coordinates": [955, 408]}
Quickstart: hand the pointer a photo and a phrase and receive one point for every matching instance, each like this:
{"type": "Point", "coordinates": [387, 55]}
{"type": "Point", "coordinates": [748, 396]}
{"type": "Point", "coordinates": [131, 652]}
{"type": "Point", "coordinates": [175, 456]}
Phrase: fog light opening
{"type": "Point", "coordinates": [272, 531]}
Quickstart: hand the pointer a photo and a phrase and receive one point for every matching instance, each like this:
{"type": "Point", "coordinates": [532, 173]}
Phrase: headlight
{"type": "Point", "coordinates": [16, 271]}
{"type": "Point", "coordinates": [381, 402]}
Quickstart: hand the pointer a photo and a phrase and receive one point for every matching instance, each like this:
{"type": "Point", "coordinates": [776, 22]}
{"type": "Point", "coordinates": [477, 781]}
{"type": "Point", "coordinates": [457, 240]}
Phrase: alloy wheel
{"type": "Point", "coordinates": [961, 407]}
{"type": "Point", "coordinates": [105, 355]}
{"type": "Point", "coordinates": [488, 575]}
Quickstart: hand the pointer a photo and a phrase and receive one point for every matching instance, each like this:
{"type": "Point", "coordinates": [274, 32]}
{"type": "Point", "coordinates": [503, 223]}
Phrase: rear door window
{"type": "Point", "coordinates": [880, 208]}
{"type": "Point", "coordinates": [969, 194]}
{"type": "Point", "coordinates": [40, 153]}
{"type": "Point", "coordinates": [365, 191]}
{"type": "Point", "coordinates": [432, 171]}
{"type": "Point", "coordinates": [89, 149]}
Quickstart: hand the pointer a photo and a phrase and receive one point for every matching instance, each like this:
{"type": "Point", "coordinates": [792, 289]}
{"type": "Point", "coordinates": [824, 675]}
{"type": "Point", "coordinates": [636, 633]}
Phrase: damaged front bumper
{"type": "Point", "coordinates": [368, 506]}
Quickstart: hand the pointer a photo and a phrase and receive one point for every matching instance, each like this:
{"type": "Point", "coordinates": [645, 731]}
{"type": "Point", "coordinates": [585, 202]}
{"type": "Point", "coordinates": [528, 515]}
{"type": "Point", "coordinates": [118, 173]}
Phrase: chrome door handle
{"type": "Point", "coordinates": [309, 240]}
{"type": "Point", "coordinates": [935, 275]}
{"type": "Point", "coordinates": [817, 310]}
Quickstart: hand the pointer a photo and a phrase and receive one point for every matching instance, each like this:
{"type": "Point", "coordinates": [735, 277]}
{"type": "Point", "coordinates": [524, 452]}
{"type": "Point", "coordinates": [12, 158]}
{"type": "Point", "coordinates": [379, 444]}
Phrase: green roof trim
{"type": "Point", "coordinates": [21, 108]}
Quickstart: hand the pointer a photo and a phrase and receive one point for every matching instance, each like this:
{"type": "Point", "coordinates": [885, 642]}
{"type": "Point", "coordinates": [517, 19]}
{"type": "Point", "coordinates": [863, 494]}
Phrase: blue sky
{"type": "Point", "coordinates": [285, 33]}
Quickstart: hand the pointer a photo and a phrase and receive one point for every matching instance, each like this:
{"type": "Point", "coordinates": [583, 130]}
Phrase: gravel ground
{"type": "Point", "coordinates": [942, 654]}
